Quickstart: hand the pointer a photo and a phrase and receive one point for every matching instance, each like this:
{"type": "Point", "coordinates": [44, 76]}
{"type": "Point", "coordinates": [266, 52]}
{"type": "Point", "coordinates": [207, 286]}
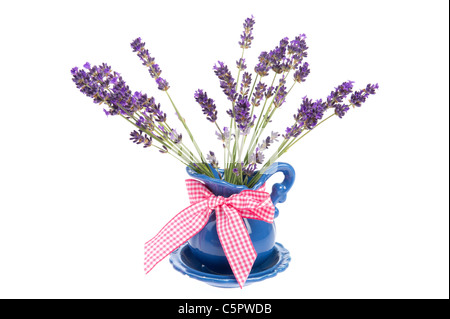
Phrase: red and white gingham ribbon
{"type": "Point", "coordinates": [233, 236]}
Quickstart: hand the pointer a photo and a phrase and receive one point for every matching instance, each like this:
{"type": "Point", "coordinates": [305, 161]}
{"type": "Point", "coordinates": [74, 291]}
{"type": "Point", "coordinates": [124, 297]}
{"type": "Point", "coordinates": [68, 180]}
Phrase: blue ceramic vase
{"type": "Point", "coordinates": [206, 247]}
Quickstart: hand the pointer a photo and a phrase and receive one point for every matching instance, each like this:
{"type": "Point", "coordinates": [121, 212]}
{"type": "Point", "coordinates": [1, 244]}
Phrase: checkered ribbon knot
{"type": "Point", "coordinates": [233, 235]}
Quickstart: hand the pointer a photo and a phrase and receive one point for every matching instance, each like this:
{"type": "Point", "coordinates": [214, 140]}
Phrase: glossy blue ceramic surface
{"type": "Point", "coordinates": [205, 247]}
{"type": "Point", "coordinates": [185, 262]}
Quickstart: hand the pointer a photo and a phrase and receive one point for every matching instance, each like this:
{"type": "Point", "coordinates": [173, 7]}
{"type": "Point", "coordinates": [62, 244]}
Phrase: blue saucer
{"type": "Point", "coordinates": [184, 261]}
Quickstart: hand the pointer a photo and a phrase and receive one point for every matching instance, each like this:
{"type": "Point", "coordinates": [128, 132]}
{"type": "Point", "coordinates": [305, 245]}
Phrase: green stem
{"type": "Point", "coordinates": [259, 119]}
{"type": "Point", "coordinates": [236, 132]}
{"type": "Point", "coordinates": [282, 149]}
{"type": "Point", "coordinates": [181, 146]}
{"type": "Point", "coordinates": [292, 143]}
{"type": "Point", "coordinates": [183, 121]}
{"type": "Point", "coordinates": [159, 148]}
{"type": "Point", "coordinates": [226, 146]}
{"type": "Point", "coordinates": [253, 87]}
{"type": "Point", "coordinates": [266, 118]}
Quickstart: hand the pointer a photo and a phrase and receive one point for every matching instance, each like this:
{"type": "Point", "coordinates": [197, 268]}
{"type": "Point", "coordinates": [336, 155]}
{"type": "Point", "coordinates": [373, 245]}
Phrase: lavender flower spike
{"type": "Point", "coordinates": [262, 69]}
{"type": "Point", "coordinates": [293, 131]}
{"type": "Point", "coordinates": [175, 137]}
{"type": "Point", "coordinates": [225, 137]}
{"type": "Point", "coordinates": [139, 138]}
{"type": "Point", "coordinates": [153, 68]}
{"type": "Point", "coordinates": [242, 115]}
{"type": "Point", "coordinates": [143, 54]}
{"type": "Point", "coordinates": [259, 93]}
{"type": "Point", "coordinates": [227, 82]}
{"type": "Point", "coordinates": [241, 64]}
{"type": "Point", "coordinates": [106, 86]}
{"type": "Point", "coordinates": [302, 72]}
{"type": "Point", "coordinates": [211, 158]}
{"type": "Point", "coordinates": [309, 113]}
{"type": "Point", "coordinates": [359, 97]}
{"type": "Point", "coordinates": [207, 104]}
{"type": "Point", "coordinates": [163, 85]}
{"type": "Point", "coordinates": [246, 82]}
{"type": "Point", "coordinates": [246, 37]}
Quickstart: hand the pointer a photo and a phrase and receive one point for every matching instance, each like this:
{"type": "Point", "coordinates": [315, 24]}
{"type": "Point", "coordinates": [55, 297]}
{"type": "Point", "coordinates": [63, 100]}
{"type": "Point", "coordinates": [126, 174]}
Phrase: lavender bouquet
{"type": "Point", "coordinates": [253, 103]}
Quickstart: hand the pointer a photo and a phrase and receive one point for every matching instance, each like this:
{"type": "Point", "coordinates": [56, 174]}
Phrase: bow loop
{"type": "Point", "coordinates": [197, 191]}
{"type": "Point", "coordinates": [253, 204]}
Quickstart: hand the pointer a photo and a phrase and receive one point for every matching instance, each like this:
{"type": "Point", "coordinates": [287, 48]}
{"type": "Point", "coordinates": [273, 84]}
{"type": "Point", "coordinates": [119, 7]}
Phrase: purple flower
{"type": "Point", "coordinates": [280, 97]}
{"type": "Point", "coordinates": [155, 71]}
{"type": "Point", "coordinates": [274, 136]}
{"type": "Point", "coordinates": [339, 94]}
{"type": "Point", "coordinates": [224, 136]}
{"type": "Point", "coordinates": [163, 85]}
{"type": "Point", "coordinates": [268, 141]}
{"type": "Point", "coordinates": [164, 150]}
{"type": "Point", "coordinates": [155, 110]}
{"type": "Point", "coordinates": [276, 56]}
{"type": "Point", "coordinates": [302, 72]}
{"type": "Point", "coordinates": [242, 115]}
{"type": "Point", "coordinates": [371, 88]}
{"type": "Point", "coordinates": [264, 57]}
{"type": "Point", "coordinates": [284, 42]}
{"type": "Point", "coordinates": [358, 98]}
{"type": "Point", "coordinates": [227, 82]}
{"type": "Point", "coordinates": [95, 83]}
{"type": "Point", "coordinates": [140, 138]}
{"type": "Point", "coordinates": [297, 45]}
{"type": "Point", "coordinates": [138, 46]}
{"type": "Point", "coordinates": [287, 64]}
{"type": "Point", "coordinates": [293, 131]}
{"type": "Point", "coordinates": [277, 67]}
{"type": "Point", "coordinates": [259, 93]}
{"type": "Point", "coordinates": [246, 37]}
{"type": "Point", "coordinates": [241, 64]}
{"type": "Point", "coordinates": [207, 104]}
{"type": "Point", "coordinates": [87, 65]}
{"type": "Point", "coordinates": [287, 56]}
{"type": "Point", "coordinates": [246, 82]}
{"type": "Point", "coordinates": [249, 170]}
{"type": "Point", "coordinates": [140, 122]}
{"type": "Point", "coordinates": [298, 49]}
{"type": "Point", "coordinates": [175, 137]}
{"type": "Point", "coordinates": [105, 86]}
{"type": "Point", "coordinates": [269, 92]}
{"type": "Point", "coordinates": [74, 71]}
{"type": "Point", "coordinates": [257, 157]}
{"type": "Point", "coordinates": [341, 109]}
{"type": "Point", "coordinates": [211, 158]}
{"type": "Point", "coordinates": [262, 69]}
{"type": "Point", "coordinates": [310, 112]}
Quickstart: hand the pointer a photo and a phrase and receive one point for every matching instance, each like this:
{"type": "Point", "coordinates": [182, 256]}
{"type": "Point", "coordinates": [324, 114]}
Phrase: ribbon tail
{"type": "Point", "coordinates": [176, 232]}
{"type": "Point", "coordinates": [235, 242]}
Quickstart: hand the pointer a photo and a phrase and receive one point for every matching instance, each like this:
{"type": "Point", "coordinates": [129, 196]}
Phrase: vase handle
{"type": "Point", "coordinates": [280, 190]}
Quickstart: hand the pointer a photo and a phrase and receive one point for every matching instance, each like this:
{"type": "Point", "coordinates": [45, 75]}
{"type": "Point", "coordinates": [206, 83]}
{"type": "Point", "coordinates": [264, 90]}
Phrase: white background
{"type": "Point", "coordinates": [366, 218]}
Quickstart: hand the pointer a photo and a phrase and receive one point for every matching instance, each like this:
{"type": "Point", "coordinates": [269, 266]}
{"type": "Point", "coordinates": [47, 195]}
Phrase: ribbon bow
{"type": "Point", "coordinates": [233, 235]}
